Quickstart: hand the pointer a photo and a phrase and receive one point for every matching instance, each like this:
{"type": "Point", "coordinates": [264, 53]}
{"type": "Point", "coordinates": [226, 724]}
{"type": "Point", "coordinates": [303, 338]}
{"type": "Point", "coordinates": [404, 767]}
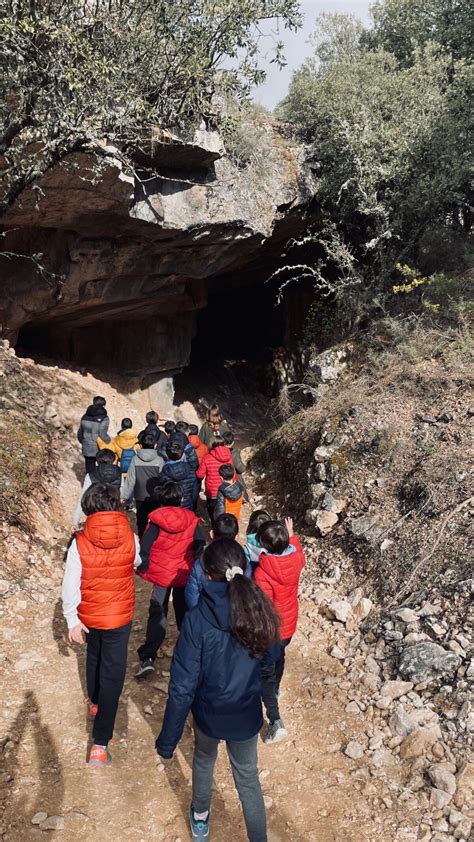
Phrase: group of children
{"type": "Point", "coordinates": [236, 607]}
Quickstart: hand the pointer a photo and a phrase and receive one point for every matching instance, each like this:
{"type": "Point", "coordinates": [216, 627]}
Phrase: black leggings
{"type": "Point", "coordinates": [157, 619]}
{"type": "Point", "coordinates": [106, 665]}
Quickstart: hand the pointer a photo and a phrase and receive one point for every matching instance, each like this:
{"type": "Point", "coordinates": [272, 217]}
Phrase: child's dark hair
{"type": "Point", "coordinates": [227, 471]}
{"type": "Point", "coordinates": [168, 494]}
{"type": "Point", "coordinates": [217, 441]}
{"type": "Point", "coordinates": [148, 441]}
{"type": "Point", "coordinates": [228, 437]}
{"type": "Point", "coordinates": [273, 536]}
{"type": "Point", "coordinates": [101, 498]}
{"type": "Point", "coordinates": [253, 619]}
{"type": "Point", "coordinates": [174, 450]}
{"type": "Point", "coordinates": [105, 457]}
{"type": "Point", "coordinates": [151, 417]}
{"type": "Point", "coordinates": [193, 429]}
{"type": "Point", "coordinates": [170, 427]}
{"type": "Point", "coordinates": [99, 401]}
{"type": "Point", "coordinates": [182, 427]}
{"type": "Point", "coordinates": [256, 520]}
{"type": "Point", "coordinates": [126, 424]}
{"type": "Point", "coordinates": [225, 526]}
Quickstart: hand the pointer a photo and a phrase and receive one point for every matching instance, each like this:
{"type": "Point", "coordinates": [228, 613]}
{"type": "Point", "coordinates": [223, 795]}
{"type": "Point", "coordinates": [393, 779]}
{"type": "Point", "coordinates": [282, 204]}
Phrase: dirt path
{"type": "Point", "coordinates": [312, 790]}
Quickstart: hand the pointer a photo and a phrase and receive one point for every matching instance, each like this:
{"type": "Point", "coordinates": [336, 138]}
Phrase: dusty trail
{"type": "Point", "coordinates": [312, 790]}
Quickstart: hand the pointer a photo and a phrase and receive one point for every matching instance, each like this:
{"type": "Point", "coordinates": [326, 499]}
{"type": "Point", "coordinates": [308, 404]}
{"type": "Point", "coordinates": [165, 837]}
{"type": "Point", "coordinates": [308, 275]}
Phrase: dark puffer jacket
{"type": "Point", "coordinates": [106, 474]}
{"type": "Point", "coordinates": [213, 675]}
{"type": "Point", "coordinates": [94, 424]}
{"type": "Point", "coordinates": [160, 437]}
{"type": "Point", "coordinates": [183, 473]}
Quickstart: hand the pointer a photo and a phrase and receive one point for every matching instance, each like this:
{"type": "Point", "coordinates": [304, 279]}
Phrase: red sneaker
{"type": "Point", "coordinates": [99, 756]}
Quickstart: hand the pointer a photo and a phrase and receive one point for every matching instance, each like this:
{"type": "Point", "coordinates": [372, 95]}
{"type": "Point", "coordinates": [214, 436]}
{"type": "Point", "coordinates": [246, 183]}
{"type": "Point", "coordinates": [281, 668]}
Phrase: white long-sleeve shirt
{"type": "Point", "coordinates": [79, 515]}
{"type": "Point", "coordinates": [71, 589]}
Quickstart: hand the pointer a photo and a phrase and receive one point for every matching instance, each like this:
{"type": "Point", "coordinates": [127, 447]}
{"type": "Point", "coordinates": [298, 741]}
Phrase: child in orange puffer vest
{"type": "Point", "coordinates": [98, 597]}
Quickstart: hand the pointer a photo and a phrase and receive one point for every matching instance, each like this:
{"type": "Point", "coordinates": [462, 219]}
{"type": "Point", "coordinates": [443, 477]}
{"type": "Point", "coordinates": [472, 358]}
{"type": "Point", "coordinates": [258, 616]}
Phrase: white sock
{"type": "Point", "coordinates": [201, 817]}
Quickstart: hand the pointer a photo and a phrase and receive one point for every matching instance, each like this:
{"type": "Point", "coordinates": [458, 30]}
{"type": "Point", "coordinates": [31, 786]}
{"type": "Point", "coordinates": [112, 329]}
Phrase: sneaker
{"type": "Point", "coordinates": [99, 756]}
{"type": "Point", "coordinates": [145, 668]}
{"type": "Point", "coordinates": [199, 829]}
{"type": "Point", "coordinates": [276, 732]}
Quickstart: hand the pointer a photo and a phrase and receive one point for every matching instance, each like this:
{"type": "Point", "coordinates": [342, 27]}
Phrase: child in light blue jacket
{"type": "Point", "coordinates": [252, 548]}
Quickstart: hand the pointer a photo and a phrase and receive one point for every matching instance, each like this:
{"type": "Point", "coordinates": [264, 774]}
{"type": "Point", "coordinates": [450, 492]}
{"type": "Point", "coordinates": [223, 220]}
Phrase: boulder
{"type": "Point", "coordinates": [340, 610]}
{"type": "Point", "coordinates": [400, 723]}
{"type": "Point", "coordinates": [426, 661]}
{"type": "Point", "coordinates": [333, 504]}
{"type": "Point", "coordinates": [366, 527]}
{"type": "Point", "coordinates": [407, 615]}
{"type": "Point", "coordinates": [362, 608]}
{"type": "Point", "coordinates": [442, 779]}
{"type": "Point", "coordinates": [325, 521]}
{"type": "Point", "coordinates": [464, 786]}
{"type": "Point", "coordinates": [439, 799]}
{"type": "Point", "coordinates": [354, 750]}
{"type": "Point", "coordinates": [396, 688]}
{"type": "Point", "coordinates": [418, 742]}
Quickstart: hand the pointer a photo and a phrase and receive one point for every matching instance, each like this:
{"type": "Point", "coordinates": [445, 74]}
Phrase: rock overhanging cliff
{"type": "Point", "coordinates": [131, 259]}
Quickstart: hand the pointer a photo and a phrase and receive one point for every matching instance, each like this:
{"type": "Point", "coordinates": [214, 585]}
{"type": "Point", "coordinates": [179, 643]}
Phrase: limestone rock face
{"type": "Point", "coordinates": [129, 259]}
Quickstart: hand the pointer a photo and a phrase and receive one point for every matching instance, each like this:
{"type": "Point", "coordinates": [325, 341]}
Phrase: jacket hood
{"type": "Point", "coordinates": [95, 413]}
{"type": "Point", "coordinates": [231, 490]}
{"type": "Point", "coordinates": [279, 567]}
{"type": "Point", "coordinates": [149, 455]}
{"type": "Point", "coordinates": [108, 474]}
{"type": "Point", "coordinates": [126, 438]}
{"type": "Point", "coordinates": [107, 530]}
{"type": "Point", "coordinates": [222, 454]}
{"type": "Point", "coordinates": [173, 518]}
{"type": "Point", "coordinates": [214, 604]}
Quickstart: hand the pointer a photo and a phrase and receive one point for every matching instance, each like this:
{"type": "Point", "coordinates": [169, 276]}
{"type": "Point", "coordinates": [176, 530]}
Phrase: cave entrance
{"type": "Point", "coordinates": [240, 323]}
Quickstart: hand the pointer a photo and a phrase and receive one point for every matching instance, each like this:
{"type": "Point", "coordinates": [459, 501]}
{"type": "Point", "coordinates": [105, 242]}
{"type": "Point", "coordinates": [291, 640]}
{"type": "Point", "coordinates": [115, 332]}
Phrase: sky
{"type": "Point", "coordinates": [297, 47]}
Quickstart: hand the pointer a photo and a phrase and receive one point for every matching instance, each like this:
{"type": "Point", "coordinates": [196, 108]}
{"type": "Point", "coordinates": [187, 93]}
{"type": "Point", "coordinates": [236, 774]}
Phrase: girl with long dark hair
{"type": "Point", "coordinates": [213, 426]}
{"type": "Point", "coordinates": [215, 673]}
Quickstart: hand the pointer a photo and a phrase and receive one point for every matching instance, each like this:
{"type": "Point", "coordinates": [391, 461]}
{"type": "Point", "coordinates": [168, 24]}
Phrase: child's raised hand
{"type": "Point", "coordinates": [76, 634]}
{"type": "Point", "coordinates": [289, 525]}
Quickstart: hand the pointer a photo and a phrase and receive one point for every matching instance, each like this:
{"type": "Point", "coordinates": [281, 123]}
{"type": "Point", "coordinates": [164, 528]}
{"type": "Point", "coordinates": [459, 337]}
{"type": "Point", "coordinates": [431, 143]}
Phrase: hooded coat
{"type": "Point", "coordinates": [160, 437]}
{"type": "Point", "coordinates": [279, 576]}
{"type": "Point", "coordinates": [146, 465]}
{"type": "Point", "coordinates": [106, 547]}
{"type": "Point", "coordinates": [209, 469]}
{"type": "Point", "coordinates": [200, 448]}
{"type": "Point", "coordinates": [212, 675]}
{"type": "Point", "coordinates": [183, 473]}
{"type": "Point", "coordinates": [94, 425]}
{"type": "Point", "coordinates": [169, 546]}
{"type": "Point", "coordinates": [197, 580]}
{"type": "Point", "coordinates": [229, 499]}
{"type": "Point", "coordinates": [207, 433]}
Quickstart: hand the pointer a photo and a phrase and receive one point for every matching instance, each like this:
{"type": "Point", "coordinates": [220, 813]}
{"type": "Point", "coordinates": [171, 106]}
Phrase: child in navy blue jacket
{"type": "Point", "coordinates": [215, 673]}
{"type": "Point", "coordinates": [225, 526]}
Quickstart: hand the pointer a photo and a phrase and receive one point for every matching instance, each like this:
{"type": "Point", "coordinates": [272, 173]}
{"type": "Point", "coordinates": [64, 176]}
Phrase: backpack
{"type": "Point", "coordinates": [126, 457]}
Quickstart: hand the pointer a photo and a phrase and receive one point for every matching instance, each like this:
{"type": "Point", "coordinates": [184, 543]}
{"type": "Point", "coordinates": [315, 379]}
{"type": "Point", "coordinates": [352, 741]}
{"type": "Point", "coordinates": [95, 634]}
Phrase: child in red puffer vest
{"type": "Point", "coordinates": [278, 574]}
{"type": "Point", "coordinates": [218, 455]}
{"type": "Point", "coordinates": [169, 546]}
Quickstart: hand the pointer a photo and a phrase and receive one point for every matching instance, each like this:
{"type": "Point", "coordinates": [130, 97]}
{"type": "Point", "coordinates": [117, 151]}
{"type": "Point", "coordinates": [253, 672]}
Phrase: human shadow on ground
{"type": "Point", "coordinates": [47, 797]}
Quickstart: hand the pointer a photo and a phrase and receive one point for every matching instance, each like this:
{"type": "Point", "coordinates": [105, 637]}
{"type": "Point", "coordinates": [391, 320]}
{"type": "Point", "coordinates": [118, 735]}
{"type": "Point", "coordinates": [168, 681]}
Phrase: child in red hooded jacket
{"type": "Point", "coordinates": [218, 455]}
{"type": "Point", "coordinates": [278, 574]}
{"type": "Point", "coordinates": [169, 546]}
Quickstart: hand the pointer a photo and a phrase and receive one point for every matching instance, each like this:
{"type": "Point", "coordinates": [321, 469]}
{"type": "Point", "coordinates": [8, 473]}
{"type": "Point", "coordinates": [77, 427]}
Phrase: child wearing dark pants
{"type": "Point", "coordinates": [278, 573]}
{"type": "Point", "coordinates": [98, 600]}
{"type": "Point", "coordinates": [106, 665]}
{"type": "Point", "coordinates": [216, 673]}
{"type": "Point", "coordinates": [272, 675]}
{"type": "Point", "coordinates": [170, 543]}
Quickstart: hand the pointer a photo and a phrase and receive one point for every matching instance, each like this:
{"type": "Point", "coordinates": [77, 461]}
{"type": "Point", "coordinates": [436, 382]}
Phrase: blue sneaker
{"type": "Point", "coordinates": [199, 829]}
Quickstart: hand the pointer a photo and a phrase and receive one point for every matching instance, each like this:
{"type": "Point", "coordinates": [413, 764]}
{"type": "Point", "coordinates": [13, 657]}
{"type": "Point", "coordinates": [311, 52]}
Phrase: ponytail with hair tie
{"type": "Point", "coordinates": [231, 572]}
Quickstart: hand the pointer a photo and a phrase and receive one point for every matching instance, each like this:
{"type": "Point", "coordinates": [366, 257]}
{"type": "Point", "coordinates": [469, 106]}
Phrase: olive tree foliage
{"type": "Point", "coordinates": [388, 120]}
{"type": "Point", "coordinates": [78, 73]}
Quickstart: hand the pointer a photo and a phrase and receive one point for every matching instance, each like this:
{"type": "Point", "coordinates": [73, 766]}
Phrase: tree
{"type": "Point", "coordinates": [78, 73]}
{"type": "Point", "coordinates": [391, 139]}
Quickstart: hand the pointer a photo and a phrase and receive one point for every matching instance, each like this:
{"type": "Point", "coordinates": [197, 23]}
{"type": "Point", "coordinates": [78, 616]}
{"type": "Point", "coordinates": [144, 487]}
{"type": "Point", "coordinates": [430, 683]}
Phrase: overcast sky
{"type": "Point", "coordinates": [297, 47]}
